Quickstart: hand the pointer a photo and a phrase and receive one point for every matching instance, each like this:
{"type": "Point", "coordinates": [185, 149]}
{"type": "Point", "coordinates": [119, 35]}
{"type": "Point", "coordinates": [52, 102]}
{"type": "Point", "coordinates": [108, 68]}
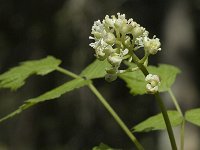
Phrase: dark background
{"type": "Point", "coordinates": [33, 29]}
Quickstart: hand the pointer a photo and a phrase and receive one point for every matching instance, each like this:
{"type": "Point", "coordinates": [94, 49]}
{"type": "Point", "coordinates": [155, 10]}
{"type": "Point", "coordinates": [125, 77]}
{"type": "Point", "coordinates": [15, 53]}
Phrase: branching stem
{"type": "Point", "coordinates": [108, 107]}
{"type": "Point", "coordinates": [182, 135]}
{"type": "Point", "coordinates": [160, 103]}
{"type": "Point", "coordinates": [116, 117]}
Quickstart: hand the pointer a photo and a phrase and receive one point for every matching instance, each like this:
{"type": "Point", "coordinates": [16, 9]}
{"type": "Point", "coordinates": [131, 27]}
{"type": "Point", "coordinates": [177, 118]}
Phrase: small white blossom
{"type": "Point", "coordinates": [115, 59]}
{"type": "Point", "coordinates": [109, 38]}
{"type": "Point", "coordinates": [109, 21]}
{"type": "Point", "coordinates": [153, 83]}
{"type": "Point", "coordinates": [152, 46]}
{"type": "Point", "coordinates": [125, 52]}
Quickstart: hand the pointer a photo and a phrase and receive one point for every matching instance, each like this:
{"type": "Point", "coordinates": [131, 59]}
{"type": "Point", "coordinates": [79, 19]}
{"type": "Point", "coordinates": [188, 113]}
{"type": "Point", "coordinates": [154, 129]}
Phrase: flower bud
{"type": "Point", "coordinates": [100, 55]}
{"type": "Point", "coordinates": [112, 70]}
{"type": "Point", "coordinates": [137, 31]}
{"type": "Point", "coordinates": [109, 21]}
{"type": "Point", "coordinates": [110, 38]}
{"type": "Point", "coordinates": [152, 46]}
{"type": "Point", "coordinates": [109, 50]}
{"type": "Point", "coordinates": [114, 60]}
{"type": "Point", "coordinates": [126, 28]}
{"type": "Point", "coordinates": [127, 41]}
{"type": "Point", "coordinates": [153, 83]}
{"type": "Point", "coordinates": [97, 35]}
{"type": "Point", "coordinates": [151, 89]}
{"type": "Point", "coordinates": [110, 77]}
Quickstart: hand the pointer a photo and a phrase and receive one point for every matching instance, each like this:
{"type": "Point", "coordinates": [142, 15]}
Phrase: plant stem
{"type": "Point", "coordinates": [167, 121]}
{"type": "Point", "coordinates": [182, 133]}
{"type": "Point", "coordinates": [116, 117]}
{"type": "Point", "coordinates": [66, 72]}
{"type": "Point", "coordinates": [183, 122]}
{"type": "Point", "coordinates": [108, 107]}
{"type": "Point", "coordinates": [140, 65]}
{"type": "Point", "coordinates": [175, 101]}
{"type": "Point", "coordinates": [160, 102]}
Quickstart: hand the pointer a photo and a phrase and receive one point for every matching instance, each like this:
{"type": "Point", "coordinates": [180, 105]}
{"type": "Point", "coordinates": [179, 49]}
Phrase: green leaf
{"type": "Point", "coordinates": [15, 77]}
{"type": "Point", "coordinates": [50, 95]}
{"type": "Point", "coordinates": [103, 146]}
{"type": "Point", "coordinates": [167, 74]}
{"type": "Point", "coordinates": [157, 122]}
{"type": "Point", "coordinates": [193, 116]}
{"type": "Point", "coordinates": [136, 80]}
{"type": "Point", "coordinates": [96, 69]}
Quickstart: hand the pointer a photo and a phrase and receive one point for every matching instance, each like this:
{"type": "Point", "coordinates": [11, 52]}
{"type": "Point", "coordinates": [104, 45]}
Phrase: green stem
{"type": "Point", "coordinates": [66, 72]}
{"type": "Point", "coordinates": [140, 65]}
{"type": "Point", "coordinates": [182, 135]}
{"type": "Point", "coordinates": [108, 107]}
{"type": "Point", "coordinates": [167, 121]}
{"type": "Point", "coordinates": [116, 117]}
{"type": "Point", "coordinates": [160, 102]}
{"type": "Point", "coordinates": [175, 101]}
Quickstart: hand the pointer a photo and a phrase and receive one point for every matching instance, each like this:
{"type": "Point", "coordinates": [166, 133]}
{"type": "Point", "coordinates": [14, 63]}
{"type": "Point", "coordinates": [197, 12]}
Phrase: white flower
{"type": "Point", "coordinates": [153, 83]}
{"type": "Point", "coordinates": [115, 59]}
{"type": "Point", "coordinates": [152, 46]}
{"type": "Point", "coordinates": [121, 20]}
{"type": "Point", "coordinates": [109, 38]}
{"type": "Point", "coordinates": [109, 21]}
{"type": "Point", "coordinates": [98, 29]}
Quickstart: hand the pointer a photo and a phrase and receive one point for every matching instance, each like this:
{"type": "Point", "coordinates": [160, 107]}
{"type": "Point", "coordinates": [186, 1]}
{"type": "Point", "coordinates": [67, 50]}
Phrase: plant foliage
{"type": "Point", "coordinates": [136, 80]}
{"type": "Point", "coordinates": [95, 70]}
{"type": "Point", "coordinates": [16, 77]}
{"type": "Point", "coordinates": [193, 116]}
{"type": "Point", "coordinates": [157, 122]}
{"type": "Point", "coordinates": [50, 95]}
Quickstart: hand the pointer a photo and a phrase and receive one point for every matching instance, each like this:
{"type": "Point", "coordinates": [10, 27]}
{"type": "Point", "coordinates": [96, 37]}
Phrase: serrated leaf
{"type": "Point", "coordinates": [157, 122]}
{"type": "Point", "coordinates": [193, 116]}
{"type": "Point", "coordinates": [167, 74]}
{"type": "Point", "coordinates": [50, 95]}
{"type": "Point", "coordinates": [136, 80]}
{"type": "Point", "coordinates": [96, 69]}
{"type": "Point", "coordinates": [15, 77]}
{"type": "Point", "coordinates": [103, 146]}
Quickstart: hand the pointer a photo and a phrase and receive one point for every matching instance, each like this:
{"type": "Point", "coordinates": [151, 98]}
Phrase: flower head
{"type": "Point", "coordinates": [152, 46]}
{"type": "Point", "coordinates": [115, 38]}
{"type": "Point", "coordinates": [153, 83]}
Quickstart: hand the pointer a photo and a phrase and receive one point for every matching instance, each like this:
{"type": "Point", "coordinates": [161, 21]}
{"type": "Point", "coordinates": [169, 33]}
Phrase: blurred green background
{"type": "Point", "coordinates": [33, 29]}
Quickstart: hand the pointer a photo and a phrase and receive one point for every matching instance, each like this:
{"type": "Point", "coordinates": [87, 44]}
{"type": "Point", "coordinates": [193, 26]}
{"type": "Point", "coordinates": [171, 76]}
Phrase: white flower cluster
{"type": "Point", "coordinates": [116, 37]}
{"type": "Point", "coordinates": [153, 83]}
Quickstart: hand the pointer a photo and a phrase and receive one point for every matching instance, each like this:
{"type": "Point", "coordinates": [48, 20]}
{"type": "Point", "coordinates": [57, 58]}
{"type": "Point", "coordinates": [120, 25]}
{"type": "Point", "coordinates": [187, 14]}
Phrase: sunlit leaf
{"type": "Point", "coordinates": [136, 80]}
{"type": "Point", "coordinates": [104, 147]}
{"type": "Point", "coordinates": [50, 95]}
{"type": "Point", "coordinates": [16, 76]}
{"type": "Point", "coordinates": [157, 122]}
{"type": "Point", "coordinates": [95, 70]}
{"type": "Point", "coordinates": [167, 74]}
{"type": "Point", "coordinates": [193, 116]}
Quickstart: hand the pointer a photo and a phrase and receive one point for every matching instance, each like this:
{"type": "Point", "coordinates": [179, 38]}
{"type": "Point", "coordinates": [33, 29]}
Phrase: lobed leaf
{"type": "Point", "coordinates": [157, 122]}
{"type": "Point", "coordinates": [136, 80]}
{"type": "Point", "coordinates": [50, 95]}
{"type": "Point", "coordinates": [96, 69]}
{"type": "Point", "coordinates": [167, 74]}
{"type": "Point", "coordinates": [15, 77]}
{"type": "Point", "coordinates": [193, 116]}
{"type": "Point", "coordinates": [103, 146]}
